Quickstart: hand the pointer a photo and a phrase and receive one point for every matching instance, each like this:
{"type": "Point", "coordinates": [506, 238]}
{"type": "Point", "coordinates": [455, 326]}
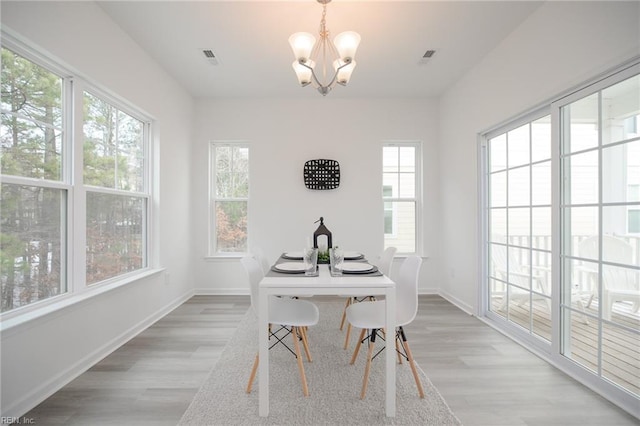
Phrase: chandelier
{"type": "Point", "coordinates": [324, 64]}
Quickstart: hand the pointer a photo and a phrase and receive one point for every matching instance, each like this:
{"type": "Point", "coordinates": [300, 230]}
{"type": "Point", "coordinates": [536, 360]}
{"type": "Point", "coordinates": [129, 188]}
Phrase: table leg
{"type": "Point", "coordinates": [263, 344]}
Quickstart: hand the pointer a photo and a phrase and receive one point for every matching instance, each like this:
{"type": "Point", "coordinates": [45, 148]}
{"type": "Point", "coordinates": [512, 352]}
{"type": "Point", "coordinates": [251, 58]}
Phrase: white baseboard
{"type": "Point", "coordinates": [44, 391]}
{"type": "Point", "coordinates": [229, 291]}
{"type": "Point", "coordinates": [429, 290]}
{"type": "Point", "coordinates": [457, 302]}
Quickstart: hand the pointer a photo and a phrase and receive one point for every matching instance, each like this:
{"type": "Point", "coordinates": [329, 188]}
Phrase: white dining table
{"type": "Point", "coordinates": [325, 284]}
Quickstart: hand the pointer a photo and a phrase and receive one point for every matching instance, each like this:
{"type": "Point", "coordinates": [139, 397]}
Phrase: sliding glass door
{"type": "Point", "coordinates": [561, 236]}
{"type": "Point", "coordinates": [519, 237]}
{"type": "Point", "coordinates": [600, 236]}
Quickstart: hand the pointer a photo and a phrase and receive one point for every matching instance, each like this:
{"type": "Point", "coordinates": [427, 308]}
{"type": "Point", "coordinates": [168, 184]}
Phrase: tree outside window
{"type": "Point", "coordinates": [33, 196]}
{"type": "Point", "coordinates": [230, 197]}
{"type": "Point", "coordinates": [114, 172]}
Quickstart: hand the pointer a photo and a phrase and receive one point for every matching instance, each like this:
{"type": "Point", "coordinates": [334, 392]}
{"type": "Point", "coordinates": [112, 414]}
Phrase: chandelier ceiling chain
{"type": "Point", "coordinates": [323, 22]}
{"type": "Point", "coordinates": [324, 55]}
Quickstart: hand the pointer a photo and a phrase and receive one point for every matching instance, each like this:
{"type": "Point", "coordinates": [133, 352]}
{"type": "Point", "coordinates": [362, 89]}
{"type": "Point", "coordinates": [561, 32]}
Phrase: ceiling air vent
{"type": "Point", "coordinates": [427, 55]}
{"type": "Point", "coordinates": [210, 56]}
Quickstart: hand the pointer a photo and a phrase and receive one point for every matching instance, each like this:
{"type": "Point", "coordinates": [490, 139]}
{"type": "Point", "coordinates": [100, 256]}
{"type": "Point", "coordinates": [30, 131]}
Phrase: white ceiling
{"type": "Point", "coordinates": [249, 38]}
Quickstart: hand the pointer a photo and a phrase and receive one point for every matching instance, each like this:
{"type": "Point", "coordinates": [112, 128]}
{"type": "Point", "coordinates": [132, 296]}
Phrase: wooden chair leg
{"type": "Point", "coordinates": [367, 368]}
{"type": "Point", "coordinates": [253, 373]}
{"type": "Point", "coordinates": [305, 342]}
{"type": "Point", "coordinates": [398, 352]}
{"type": "Point", "coordinates": [344, 312]}
{"type": "Point", "coordinates": [357, 349]}
{"type": "Point", "coordinates": [412, 363]}
{"type": "Point", "coordinates": [346, 338]}
{"type": "Point", "coordinates": [303, 377]}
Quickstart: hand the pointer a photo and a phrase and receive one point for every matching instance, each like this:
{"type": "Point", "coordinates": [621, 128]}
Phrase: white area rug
{"type": "Point", "coordinates": [334, 385]}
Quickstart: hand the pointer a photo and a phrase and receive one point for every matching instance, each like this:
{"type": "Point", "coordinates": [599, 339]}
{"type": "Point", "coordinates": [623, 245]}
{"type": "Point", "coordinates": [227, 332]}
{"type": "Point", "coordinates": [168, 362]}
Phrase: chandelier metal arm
{"type": "Point", "coordinates": [342, 83]}
{"type": "Point", "coordinates": [324, 89]}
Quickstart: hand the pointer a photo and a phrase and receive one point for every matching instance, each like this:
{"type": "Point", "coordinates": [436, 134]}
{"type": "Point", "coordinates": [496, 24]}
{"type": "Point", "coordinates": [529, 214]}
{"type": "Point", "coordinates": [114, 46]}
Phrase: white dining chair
{"type": "Point", "coordinates": [370, 316]}
{"type": "Point", "coordinates": [262, 259]}
{"type": "Point", "coordinates": [383, 264]}
{"type": "Point", "coordinates": [291, 316]}
{"type": "Point", "coordinates": [385, 260]}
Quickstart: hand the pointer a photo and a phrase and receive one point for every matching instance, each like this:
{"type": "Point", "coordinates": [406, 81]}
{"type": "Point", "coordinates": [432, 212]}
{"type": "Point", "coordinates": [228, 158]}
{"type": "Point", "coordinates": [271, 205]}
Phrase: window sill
{"type": "Point", "coordinates": [12, 321]}
{"type": "Point", "coordinates": [225, 257]}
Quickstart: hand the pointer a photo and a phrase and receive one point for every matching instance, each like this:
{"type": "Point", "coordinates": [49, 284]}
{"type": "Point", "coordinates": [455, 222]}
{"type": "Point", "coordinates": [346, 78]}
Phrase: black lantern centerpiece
{"type": "Point", "coordinates": [323, 256]}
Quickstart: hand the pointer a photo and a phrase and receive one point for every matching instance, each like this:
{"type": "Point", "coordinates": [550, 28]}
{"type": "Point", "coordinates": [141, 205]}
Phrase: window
{"type": "Point", "coordinates": [41, 185]}
{"type": "Point", "coordinates": [401, 195]}
{"type": "Point", "coordinates": [229, 197]}
{"type": "Point", "coordinates": [116, 201]}
{"type": "Point", "coordinates": [33, 216]}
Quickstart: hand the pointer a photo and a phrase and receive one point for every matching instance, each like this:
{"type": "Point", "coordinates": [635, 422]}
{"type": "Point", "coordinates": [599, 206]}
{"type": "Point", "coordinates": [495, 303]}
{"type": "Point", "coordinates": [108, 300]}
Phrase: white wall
{"type": "Point", "coordinates": [561, 45]}
{"type": "Point", "coordinates": [285, 133]}
{"type": "Point", "coordinates": [41, 355]}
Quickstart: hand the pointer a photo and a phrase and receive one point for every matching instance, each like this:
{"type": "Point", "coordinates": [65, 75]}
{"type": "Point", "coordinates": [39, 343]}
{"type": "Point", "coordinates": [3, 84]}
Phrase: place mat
{"type": "Point", "coordinates": [357, 267]}
{"type": "Point", "coordinates": [275, 272]}
{"type": "Point", "coordinates": [292, 255]}
{"type": "Point", "coordinates": [289, 267]}
{"type": "Point", "coordinates": [371, 273]}
{"type": "Point", "coordinates": [353, 255]}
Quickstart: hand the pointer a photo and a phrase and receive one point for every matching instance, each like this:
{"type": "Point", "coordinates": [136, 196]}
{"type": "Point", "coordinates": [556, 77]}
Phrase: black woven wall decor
{"type": "Point", "coordinates": [322, 174]}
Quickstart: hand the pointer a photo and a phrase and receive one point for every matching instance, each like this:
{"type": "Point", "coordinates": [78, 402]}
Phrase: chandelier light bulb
{"type": "Point", "coordinates": [347, 43]}
{"type": "Point", "coordinates": [302, 44]}
{"type": "Point", "coordinates": [343, 71]}
{"type": "Point", "coordinates": [303, 72]}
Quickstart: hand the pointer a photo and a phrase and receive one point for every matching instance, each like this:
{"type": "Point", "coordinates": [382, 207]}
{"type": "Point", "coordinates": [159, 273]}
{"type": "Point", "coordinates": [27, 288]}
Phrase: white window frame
{"type": "Point", "coordinates": [212, 246]}
{"type": "Point", "coordinates": [73, 269]}
{"type": "Point", "coordinates": [417, 199]}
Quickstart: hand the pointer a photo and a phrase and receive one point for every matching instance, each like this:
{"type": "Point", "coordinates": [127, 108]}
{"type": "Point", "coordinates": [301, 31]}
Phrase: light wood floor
{"type": "Point", "coordinates": [621, 347]}
{"type": "Point", "coordinates": [485, 378]}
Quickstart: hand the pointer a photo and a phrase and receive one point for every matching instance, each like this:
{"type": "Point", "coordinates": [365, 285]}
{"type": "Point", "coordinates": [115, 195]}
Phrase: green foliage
{"type": "Point", "coordinates": [323, 256]}
{"type": "Point", "coordinates": [114, 235]}
{"type": "Point", "coordinates": [113, 147]}
{"type": "Point", "coordinates": [31, 119]}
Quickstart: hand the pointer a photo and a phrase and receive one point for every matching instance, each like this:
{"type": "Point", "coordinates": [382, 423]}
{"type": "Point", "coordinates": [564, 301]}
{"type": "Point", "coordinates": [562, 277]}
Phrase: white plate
{"type": "Point", "coordinates": [352, 255]}
{"type": "Point", "coordinates": [293, 255]}
{"type": "Point", "coordinates": [356, 267]}
{"type": "Point", "coordinates": [291, 266]}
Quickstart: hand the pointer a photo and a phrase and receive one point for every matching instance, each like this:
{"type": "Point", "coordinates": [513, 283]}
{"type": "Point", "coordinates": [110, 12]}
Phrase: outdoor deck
{"type": "Point", "coordinates": [620, 339]}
